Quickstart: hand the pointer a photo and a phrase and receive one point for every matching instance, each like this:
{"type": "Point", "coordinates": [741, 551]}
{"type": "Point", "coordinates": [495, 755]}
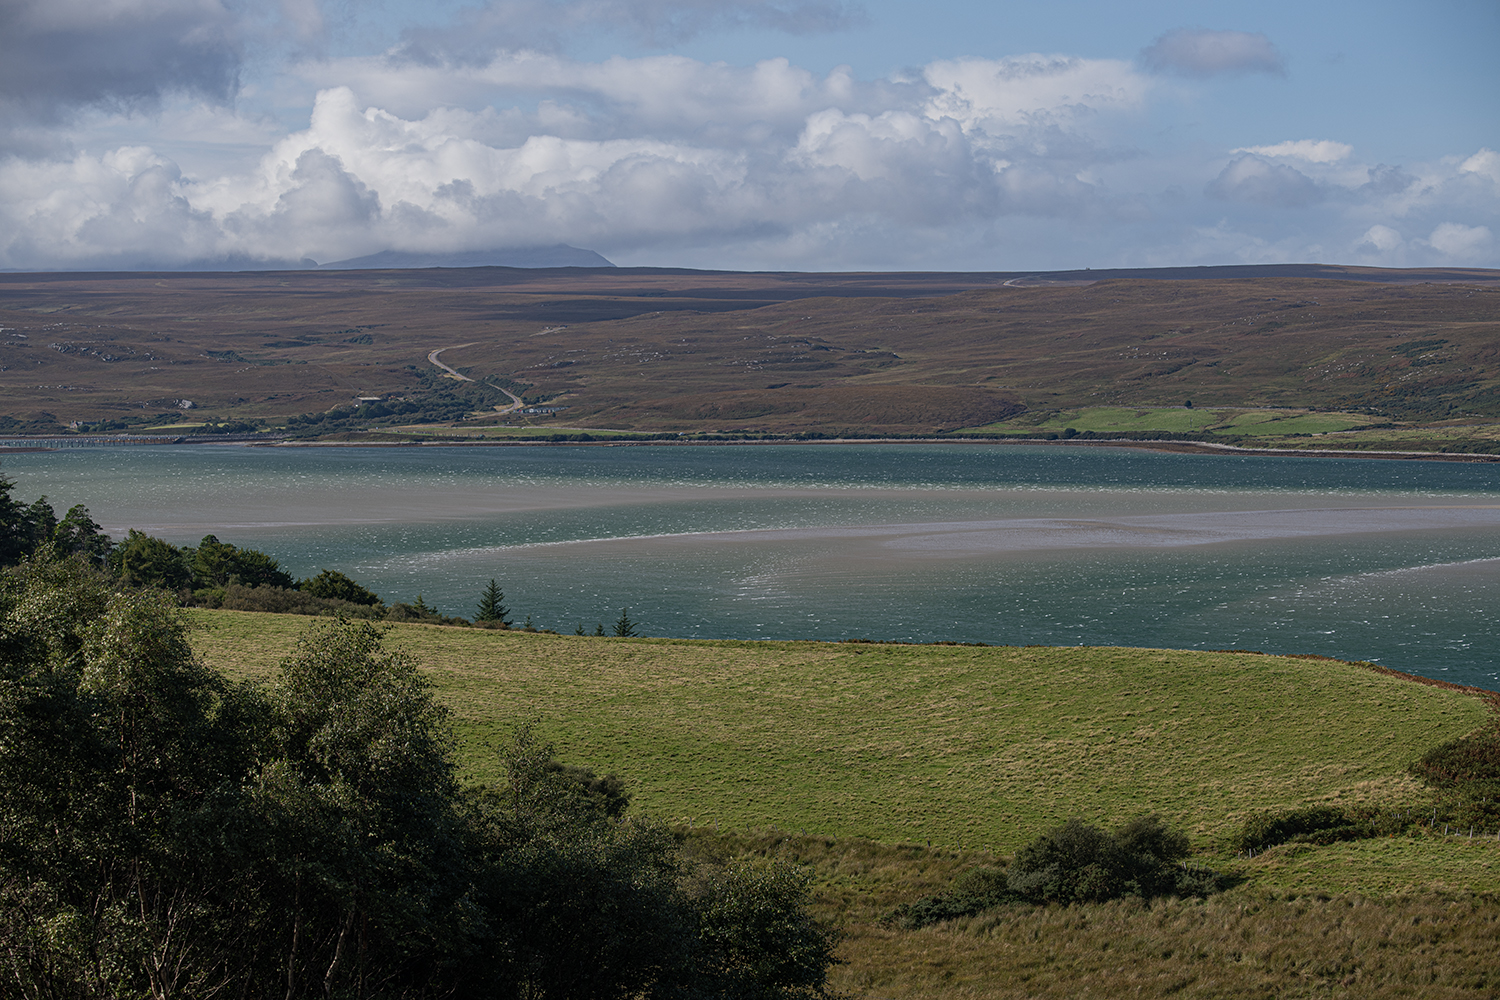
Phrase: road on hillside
{"type": "Point", "coordinates": [515, 401]}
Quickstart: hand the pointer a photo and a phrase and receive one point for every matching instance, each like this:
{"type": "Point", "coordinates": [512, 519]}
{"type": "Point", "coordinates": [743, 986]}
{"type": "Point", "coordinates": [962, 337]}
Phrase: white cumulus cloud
{"type": "Point", "coordinates": [667, 159]}
{"type": "Point", "coordinates": [1460, 241]}
{"type": "Point", "coordinates": [1251, 178]}
{"type": "Point", "coordinates": [1485, 163]}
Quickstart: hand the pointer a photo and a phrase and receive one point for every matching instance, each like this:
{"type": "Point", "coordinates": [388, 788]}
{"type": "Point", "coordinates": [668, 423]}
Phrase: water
{"type": "Point", "coordinates": [1394, 562]}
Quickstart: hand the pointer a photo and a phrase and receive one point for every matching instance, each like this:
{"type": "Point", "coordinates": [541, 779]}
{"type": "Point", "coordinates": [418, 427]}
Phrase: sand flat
{"type": "Point", "coordinates": [970, 538]}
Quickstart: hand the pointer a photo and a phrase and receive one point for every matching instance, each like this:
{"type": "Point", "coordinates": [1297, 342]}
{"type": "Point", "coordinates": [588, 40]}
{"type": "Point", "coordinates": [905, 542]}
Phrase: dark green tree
{"type": "Point", "coordinates": [756, 939]}
{"type": "Point", "coordinates": [333, 584]}
{"type": "Point", "coordinates": [219, 564]}
{"type": "Point", "coordinates": [143, 560]}
{"type": "Point", "coordinates": [168, 833]}
{"type": "Point", "coordinates": [119, 746]}
{"type": "Point", "coordinates": [625, 626]}
{"type": "Point", "coordinates": [78, 533]}
{"type": "Point", "coordinates": [492, 606]}
{"type": "Point", "coordinates": [22, 527]}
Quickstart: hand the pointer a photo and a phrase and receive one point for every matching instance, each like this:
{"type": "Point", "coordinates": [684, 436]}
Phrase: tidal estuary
{"type": "Point", "coordinates": [1397, 562]}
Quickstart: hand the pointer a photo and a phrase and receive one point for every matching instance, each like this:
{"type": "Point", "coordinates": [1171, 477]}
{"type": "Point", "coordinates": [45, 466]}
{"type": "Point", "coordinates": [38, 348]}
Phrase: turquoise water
{"type": "Point", "coordinates": [1034, 545]}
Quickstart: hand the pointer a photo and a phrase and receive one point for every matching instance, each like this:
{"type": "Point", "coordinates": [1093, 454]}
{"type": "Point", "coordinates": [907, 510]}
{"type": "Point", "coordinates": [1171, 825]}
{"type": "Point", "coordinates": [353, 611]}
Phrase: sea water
{"type": "Point", "coordinates": [1396, 562]}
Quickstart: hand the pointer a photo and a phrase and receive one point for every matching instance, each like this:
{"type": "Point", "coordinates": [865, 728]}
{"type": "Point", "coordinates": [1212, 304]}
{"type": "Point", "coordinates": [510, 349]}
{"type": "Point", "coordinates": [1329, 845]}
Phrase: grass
{"type": "Point", "coordinates": [959, 746]}
{"type": "Point", "coordinates": [1235, 945]}
{"type": "Point", "coordinates": [1179, 419]}
{"type": "Point", "coordinates": [887, 770]}
{"type": "Point", "coordinates": [1290, 930]}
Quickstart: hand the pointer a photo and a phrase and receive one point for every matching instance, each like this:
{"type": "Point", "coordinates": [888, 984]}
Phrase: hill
{"type": "Point", "coordinates": [887, 769]}
{"type": "Point", "coordinates": [977, 746]}
{"type": "Point", "coordinates": [654, 350]}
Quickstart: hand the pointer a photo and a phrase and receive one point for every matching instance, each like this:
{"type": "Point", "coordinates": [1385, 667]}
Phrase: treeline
{"type": "Point", "coordinates": [434, 400]}
{"type": "Point", "coordinates": [165, 832]}
{"type": "Point", "coordinates": [212, 573]}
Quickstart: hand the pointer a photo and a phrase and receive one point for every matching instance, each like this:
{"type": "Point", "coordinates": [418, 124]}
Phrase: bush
{"type": "Point", "coordinates": [1075, 863]}
{"type": "Point", "coordinates": [974, 891]}
{"type": "Point", "coordinates": [279, 600]}
{"type": "Point", "coordinates": [1312, 825]}
{"type": "Point", "coordinates": [1470, 763]}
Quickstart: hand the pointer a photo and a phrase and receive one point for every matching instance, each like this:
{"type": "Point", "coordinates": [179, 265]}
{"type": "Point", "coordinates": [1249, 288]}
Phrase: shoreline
{"type": "Point", "coordinates": [1179, 447]}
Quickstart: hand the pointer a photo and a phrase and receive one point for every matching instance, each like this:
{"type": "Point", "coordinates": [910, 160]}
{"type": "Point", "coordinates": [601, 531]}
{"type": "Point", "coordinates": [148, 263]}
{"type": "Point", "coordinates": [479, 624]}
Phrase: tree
{"type": "Point", "coordinates": [756, 939]}
{"type": "Point", "coordinates": [333, 584]}
{"type": "Point", "coordinates": [219, 564]}
{"type": "Point", "coordinates": [22, 528]}
{"type": "Point", "coordinates": [625, 626]}
{"type": "Point", "coordinates": [492, 606]}
{"type": "Point", "coordinates": [120, 747]}
{"type": "Point", "coordinates": [78, 533]}
{"type": "Point", "coordinates": [145, 561]}
{"type": "Point", "coordinates": [167, 833]}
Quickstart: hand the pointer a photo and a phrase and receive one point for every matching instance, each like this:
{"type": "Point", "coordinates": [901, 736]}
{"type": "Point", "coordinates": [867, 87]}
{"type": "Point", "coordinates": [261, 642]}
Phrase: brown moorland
{"type": "Point", "coordinates": [693, 351]}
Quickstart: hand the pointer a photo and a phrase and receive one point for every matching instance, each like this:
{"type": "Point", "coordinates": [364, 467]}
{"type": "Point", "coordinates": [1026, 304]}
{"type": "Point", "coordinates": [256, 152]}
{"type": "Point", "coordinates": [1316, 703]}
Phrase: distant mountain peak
{"type": "Point", "coordinates": [558, 255]}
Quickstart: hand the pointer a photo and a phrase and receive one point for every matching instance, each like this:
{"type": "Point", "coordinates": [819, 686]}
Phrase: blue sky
{"type": "Point", "coordinates": [765, 134]}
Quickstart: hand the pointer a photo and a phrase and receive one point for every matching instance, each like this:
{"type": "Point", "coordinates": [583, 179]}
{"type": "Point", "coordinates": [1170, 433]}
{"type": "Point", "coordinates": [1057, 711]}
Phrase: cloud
{"type": "Point", "coordinates": [59, 55]}
{"type": "Point", "coordinates": [1387, 180]}
{"type": "Point", "coordinates": [665, 159]}
{"type": "Point", "coordinates": [1485, 163]}
{"type": "Point", "coordinates": [1380, 239]}
{"type": "Point", "coordinates": [546, 25]}
{"type": "Point", "coordinates": [1459, 241]}
{"type": "Point", "coordinates": [999, 95]}
{"type": "Point", "coordinates": [1203, 52]}
{"type": "Point", "coordinates": [1311, 150]}
{"type": "Point", "coordinates": [1256, 180]}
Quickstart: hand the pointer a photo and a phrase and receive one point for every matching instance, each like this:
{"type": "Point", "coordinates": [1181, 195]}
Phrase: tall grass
{"type": "Point", "coordinates": [1427, 946]}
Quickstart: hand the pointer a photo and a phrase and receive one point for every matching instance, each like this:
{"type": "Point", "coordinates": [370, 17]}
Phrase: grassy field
{"type": "Point", "coordinates": [889, 769]}
{"type": "Point", "coordinates": [1180, 419]}
{"type": "Point", "coordinates": [956, 746]}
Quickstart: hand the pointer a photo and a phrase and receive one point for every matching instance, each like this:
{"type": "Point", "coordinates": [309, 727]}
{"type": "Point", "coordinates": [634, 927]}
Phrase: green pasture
{"type": "Point", "coordinates": [974, 747]}
{"type": "Point", "coordinates": [502, 431]}
{"type": "Point", "coordinates": [1181, 419]}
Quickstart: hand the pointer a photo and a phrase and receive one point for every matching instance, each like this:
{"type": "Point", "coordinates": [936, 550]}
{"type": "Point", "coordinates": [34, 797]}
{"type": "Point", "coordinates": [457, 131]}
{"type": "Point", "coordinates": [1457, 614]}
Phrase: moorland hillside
{"type": "Point", "coordinates": [663, 351]}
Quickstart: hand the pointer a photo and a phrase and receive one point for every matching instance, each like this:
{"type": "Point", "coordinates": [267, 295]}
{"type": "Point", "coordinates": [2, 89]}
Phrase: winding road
{"type": "Point", "coordinates": [516, 401]}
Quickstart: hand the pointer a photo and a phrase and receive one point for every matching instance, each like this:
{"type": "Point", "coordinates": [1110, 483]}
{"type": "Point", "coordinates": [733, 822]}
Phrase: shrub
{"type": "Point", "coordinates": [1470, 763]}
{"type": "Point", "coordinates": [974, 891]}
{"type": "Point", "coordinates": [1075, 863]}
{"type": "Point", "coordinates": [1312, 825]}
{"type": "Point", "coordinates": [279, 600]}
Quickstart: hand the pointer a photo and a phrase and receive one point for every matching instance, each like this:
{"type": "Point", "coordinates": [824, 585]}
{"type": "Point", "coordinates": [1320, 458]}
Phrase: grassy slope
{"type": "Point", "coordinates": [755, 742]}
{"type": "Point", "coordinates": [955, 745]}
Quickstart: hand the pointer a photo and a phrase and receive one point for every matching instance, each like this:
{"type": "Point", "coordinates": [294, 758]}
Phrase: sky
{"type": "Point", "coordinates": [807, 135]}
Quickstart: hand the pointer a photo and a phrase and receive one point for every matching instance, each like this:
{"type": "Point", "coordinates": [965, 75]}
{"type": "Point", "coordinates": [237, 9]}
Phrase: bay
{"type": "Point", "coordinates": [1397, 562]}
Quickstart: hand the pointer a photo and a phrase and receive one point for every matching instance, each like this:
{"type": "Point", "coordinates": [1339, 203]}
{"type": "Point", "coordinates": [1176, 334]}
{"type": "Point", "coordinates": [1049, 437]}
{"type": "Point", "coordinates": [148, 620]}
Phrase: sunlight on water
{"type": "Point", "coordinates": [1018, 544]}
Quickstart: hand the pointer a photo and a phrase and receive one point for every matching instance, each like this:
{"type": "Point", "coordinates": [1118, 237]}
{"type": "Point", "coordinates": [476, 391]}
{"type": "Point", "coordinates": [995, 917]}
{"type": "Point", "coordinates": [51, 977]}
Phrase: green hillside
{"type": "Point", "coordinates": [889, 769]}
{"type": "Point", "coordinates": [959, 746]}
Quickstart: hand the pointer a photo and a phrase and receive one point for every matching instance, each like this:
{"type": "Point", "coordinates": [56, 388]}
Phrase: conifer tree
{"type": "Point", "coordinates": [492, 606]}
{"type": "Point", "coordinates": [625, 625]}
